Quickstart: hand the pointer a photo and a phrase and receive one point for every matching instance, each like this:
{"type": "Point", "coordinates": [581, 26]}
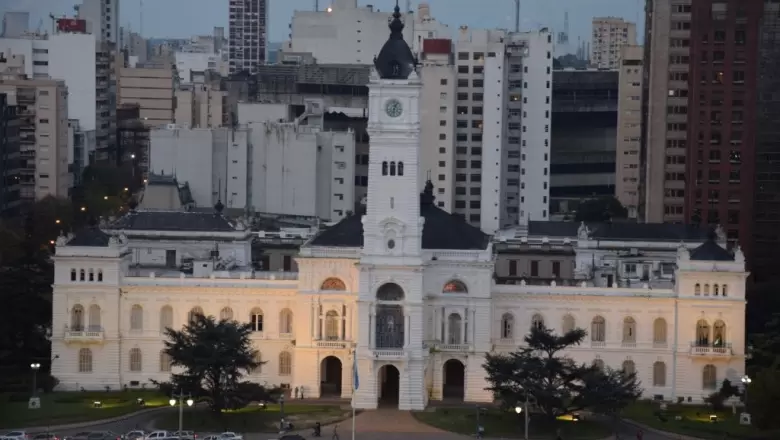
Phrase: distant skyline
{"type": "Point", "coordinates": [184, 18]}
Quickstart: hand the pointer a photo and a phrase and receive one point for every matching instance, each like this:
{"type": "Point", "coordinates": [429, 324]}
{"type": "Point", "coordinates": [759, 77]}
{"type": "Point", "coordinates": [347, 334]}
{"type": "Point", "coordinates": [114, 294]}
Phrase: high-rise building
{"type": "Point", "coordinates": [664, 110]}
{"type": "Point", "coordinates": [248, 27]}
{"type": "Point", "coordinates": [151, 87]}
{"type": "Point", "coordinates": [629, 129]}
{"type": "Point", "coordinates": [721, 153]}
{"type": "Point", "coordinates": [102, 17]}
{"type": "Point", "coordinates": [609, 35]}
{"type": "Point", "coordinates": [502, 128]}
{"type": "Point", "coordinates": [9, 158]}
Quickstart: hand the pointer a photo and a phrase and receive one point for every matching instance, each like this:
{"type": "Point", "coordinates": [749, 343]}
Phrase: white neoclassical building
{"type": "Point", "coordinates": [406, 291]}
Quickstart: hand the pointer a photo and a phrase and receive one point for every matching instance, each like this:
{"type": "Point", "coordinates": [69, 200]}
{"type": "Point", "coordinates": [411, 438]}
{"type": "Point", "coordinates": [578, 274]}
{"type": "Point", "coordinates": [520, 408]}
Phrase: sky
{"type": "Point", "coordinates": [184, 18]}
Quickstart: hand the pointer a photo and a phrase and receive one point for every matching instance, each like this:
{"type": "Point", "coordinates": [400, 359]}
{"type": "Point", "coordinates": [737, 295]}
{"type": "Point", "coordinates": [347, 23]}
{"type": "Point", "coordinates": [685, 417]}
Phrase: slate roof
{"type": "Point", "coordinates": [441, 230]}
{"type": "Point", "coordinates": [395, 60]}
{"type": "Point", "coordinates": [621, 231]}
{"type": "Point", "coordinates": [711, 251]}
{"type": "Point", "coordinates": [173, 221]}
{"type": "Point", "coordinates": [90, 237]}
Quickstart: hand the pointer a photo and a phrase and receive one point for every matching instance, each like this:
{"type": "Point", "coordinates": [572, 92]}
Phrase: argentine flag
{"type": "Point", "coordinates": [355, 379]}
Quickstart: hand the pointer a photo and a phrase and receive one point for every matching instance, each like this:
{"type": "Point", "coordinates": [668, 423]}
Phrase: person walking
{"type": "Point", "coordinates": [640, 434]}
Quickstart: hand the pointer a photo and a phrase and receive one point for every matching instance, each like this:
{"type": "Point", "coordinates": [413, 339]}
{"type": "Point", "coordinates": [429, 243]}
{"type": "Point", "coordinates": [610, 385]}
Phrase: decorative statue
{"type": "Point", "coordinates": [739, 256]}
{"type": "Point", "coordinates": [62, 240]}
{"type": "Point", "coordinates": [583, 232]}
{"type": "Point", "coordinates": [682, 253]}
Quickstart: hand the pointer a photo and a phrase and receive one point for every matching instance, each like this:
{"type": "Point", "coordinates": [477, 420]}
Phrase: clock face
{"type": "Point", "coordinates": [393, 108]}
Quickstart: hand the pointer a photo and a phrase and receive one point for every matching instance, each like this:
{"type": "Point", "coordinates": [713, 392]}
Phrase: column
{"type": "Point", "coordinates": [464, 338]}
{"type": "Point", "coordinates": [343, 326]}
{"type": "Point", "coordinates": [312, 309]}
{"type": "Point", "coordinates": [371, 318]}
{"type": "Point", "coordinates": [322, 322]}
{"type": "Point", "coordinates": [474, 328]}
{"type": "Point", "coordinates": [446, 336]}
{"type": "Point", "coordinates": [407, 327]}
{"type": "Point", "coordinates": [350, 321]}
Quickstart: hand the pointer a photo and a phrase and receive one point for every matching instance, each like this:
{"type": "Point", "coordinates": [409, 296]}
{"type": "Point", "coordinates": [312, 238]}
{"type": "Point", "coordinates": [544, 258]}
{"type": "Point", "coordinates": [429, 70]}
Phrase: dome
{"type": "Point", "coordinates": [395, 60]}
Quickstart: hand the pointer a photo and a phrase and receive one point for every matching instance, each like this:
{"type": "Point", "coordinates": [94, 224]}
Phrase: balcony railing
{"type": "Point", "coordinates": [452, 347]}
{"type": "Point", "coordinates": [84, 334]}
{"type": "Point", "coordinates": [723, 349]}
{"type": "Point", "coordinates": [332, 344]}
{"type": "Point", "coordinates": [389, 353]}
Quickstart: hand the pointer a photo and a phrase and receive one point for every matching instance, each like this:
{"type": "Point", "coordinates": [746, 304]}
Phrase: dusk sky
{"type": "Point", "coordinates": [183, 18]}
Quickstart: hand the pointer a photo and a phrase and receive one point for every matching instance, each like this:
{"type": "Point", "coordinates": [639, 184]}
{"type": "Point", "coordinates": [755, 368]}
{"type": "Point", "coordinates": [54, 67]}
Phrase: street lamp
{"type": "Point", "coordinates": [281, 412]}
{"type": "Point", "coordinates": [35, 367]}
{"type": "Point", "coordinates": [180, 399]}
{"type": "Point", "coordinates": [520, 409]}
{"type": "Point", "coordinates": [746, 383]}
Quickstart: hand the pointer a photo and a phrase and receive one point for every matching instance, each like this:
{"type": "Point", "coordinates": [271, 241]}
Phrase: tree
{"type": "Point", "coordinates": [215, 356]}
{"type": "Point", "coordinates": [556, 383]}
{"type": "Point", "coordinates": [602, 209]}
{"type": "Point", "coordinates": [762, 398]}
{"type": "Point", "coordinates": [765, 352]}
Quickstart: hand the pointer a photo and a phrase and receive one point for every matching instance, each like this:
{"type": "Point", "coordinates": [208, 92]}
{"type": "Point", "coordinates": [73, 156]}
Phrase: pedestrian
{"type": "Point", "coordinates": [558, 435]}
{"type": "Point", "coordinates": [640, 434]}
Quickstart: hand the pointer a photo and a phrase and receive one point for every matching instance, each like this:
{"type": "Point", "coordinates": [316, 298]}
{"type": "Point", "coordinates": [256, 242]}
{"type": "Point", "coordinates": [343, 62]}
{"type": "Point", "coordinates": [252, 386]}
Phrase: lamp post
{"type": "Point", "coordinates": [282, 424]}
{"type": "Point", "coordinates": [524, 409]}
{"type": "Point", "coordinates": [35, 367]}
{"type": "Point", "coordinates": [180, 399]}
{"type": "Point", "coordinates": [746, 383]}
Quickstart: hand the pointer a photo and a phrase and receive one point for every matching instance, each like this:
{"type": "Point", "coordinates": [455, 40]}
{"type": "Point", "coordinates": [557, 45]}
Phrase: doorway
{"type": "Point", "coordinates": [170, 258]}
{"type": "Point", "coordinates": [389, 386]}
{"type": "Point", "coordinates": [454, 380]}
{"type": "Point", "coordinates": [330, 377]}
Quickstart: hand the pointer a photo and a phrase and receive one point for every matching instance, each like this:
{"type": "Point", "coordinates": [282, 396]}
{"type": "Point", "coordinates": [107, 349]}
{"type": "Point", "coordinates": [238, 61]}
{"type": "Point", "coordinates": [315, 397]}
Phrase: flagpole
{"type": "Point", "coordinates": [355, 386]}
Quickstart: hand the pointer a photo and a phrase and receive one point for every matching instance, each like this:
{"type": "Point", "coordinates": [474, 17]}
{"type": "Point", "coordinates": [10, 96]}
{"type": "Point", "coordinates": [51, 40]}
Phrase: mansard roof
{"type": "Point", "coordinates": [90, 237]}
{"type": "Point", "coordinates": [711, 251]}
{"type": "Point", "coordinates": [174, 221]}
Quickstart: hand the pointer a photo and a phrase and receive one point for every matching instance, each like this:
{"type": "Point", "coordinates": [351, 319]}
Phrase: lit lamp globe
{"type": "Point", "coordinates": [518, 409]}
{"type": "Point", "coordinates": [172, 402]}
{"type": "Point", "coordinates": [190, 402]}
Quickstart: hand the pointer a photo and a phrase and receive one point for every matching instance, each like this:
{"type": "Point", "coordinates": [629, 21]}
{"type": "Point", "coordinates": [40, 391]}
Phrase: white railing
{"type": "Point", "coordinates": [711, 350]}
{"type": "Point", "coordinates": [88, 334]}
{"type": "Point", "coordinates": [285, 335]}
{"type": "Point", "coordinates": [453, 347]}
{"type": "Point", "coordinates": [389, 354]}
{"type": "Point", "coordinates": [332, 344]}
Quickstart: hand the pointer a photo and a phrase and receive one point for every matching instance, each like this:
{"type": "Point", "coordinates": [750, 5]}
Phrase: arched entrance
{"type": "Point", "coordinates": [389, 385]}
{"type": "Point", "coordinates": [330, 376]}
{"type": "Point", "coordinates": [453, 380]}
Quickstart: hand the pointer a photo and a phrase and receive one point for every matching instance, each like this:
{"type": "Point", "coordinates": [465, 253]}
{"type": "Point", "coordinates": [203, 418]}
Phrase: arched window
{"type": "Point", "coordinates": [629, 330]}
{"type": "Point", "coordinates": [706, 290]}
{"type": "Point", "coordinates": [719, 334]}
{"type": "Point", "coordinates": [165, 361]}
{"type": "Point", "coordinates": [136, 318]}
{"type": "Point", "coordinates": [629, 367]}
{"type": "Point", "coordinates": [100, 275]}
{"type": "Point", "coordinates": [77, 318]}
{"type": "Point", "coordinates": [507, 326]}
{"type": "Point", "coordinates": [725, 290]}
{"type": "Point", "coordinates": [392, 168]}
{"type": "Point", "coordinates": [333, 284]}
{"type": "Point", "coordinates": [400, 168]}
{"type": "Point", "coordinates": [226, 314]}
{"type": "Point", "coordinates": [659, 331]}
{"type": "Point", "coordinates": [599, 364]}
{"type": "Point", "coordinates": [709, 377]}
{"type": "Point", "coordinates": [256, 319]}
{"type": "Point", "coordinates": [135, 359]}
{"type": "Point", "coordinates": [94, 318]}
{"type": "Point", "coordinates": [73, 274]}
{"type": "Point", "coordinates": [697, 289]}
{"type": "Point", "coordinates": [702, 333]}
{"type": "Point", "coordinates": [194, 313]}
{"type": "Point", "coordinates": [91, 275]}
{"type": "Point", "coordinates": [454, 286]}
{"type": "Point", "coordinates": [659, 374]}
{"type": "Point", "coordinates": [384, 168]}
{"type": "Point", "coordinates": [715, 290]}
{"type": "Point", "coordinates": [285, 363]}
{"type": "Point", "coordinates": [390, 292]}
{"type": "Point", "coordinates": [455, 323]}
{"type": "Point", "coordinates": [537, 321]}
{"type": "Point", "coordinates": [82, 275]}
{"type": "Point", "coordinates": [332, 326]}
{"type": "Point", "coordinates": [85, 360]}
{"type": "Point", "coordinates": [568, 323]}
{"type": "Point", "coordinates": [598, 329]}
{"type": "Point", "coordinates": [286, 321]}
{"type": "Point", "coordinates": [166, 318]}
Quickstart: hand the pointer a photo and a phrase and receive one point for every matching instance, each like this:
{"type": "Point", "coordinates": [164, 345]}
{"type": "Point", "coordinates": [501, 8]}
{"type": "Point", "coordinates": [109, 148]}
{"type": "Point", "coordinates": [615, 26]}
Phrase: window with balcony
{"type": "Point", "coordinates": [629, 330]}
{"type": "Point", "coordinates": [166, 318]}
{"type": "Point", "coordinates": [454, 332]}
{"type": "Point", "coordinates": [659, 331]}
{"type": "Point", "coordinates": [537, 321]}
{"type": "Point", "coordinates": [332, 326]}
{"type": "Point", "coordinates": [286, 321]}
{"type": "Point", "coordinates": [709, 377]}
{"type": "Point", "coordinates": [95, 324]}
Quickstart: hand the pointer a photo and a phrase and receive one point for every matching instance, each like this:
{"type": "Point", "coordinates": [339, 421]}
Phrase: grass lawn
{"type": "Point", "coordinates": [253, 418]}
{"type": "Point", "coordinates": [695, 421]}
{"type": "Point", "coordinates": [499, 423]}
{"type": "Point", "coordinates": [72, 407]}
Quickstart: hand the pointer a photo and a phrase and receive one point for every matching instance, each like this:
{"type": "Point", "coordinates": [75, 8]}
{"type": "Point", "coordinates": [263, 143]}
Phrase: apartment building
{"type": "Point", "coordinates": [437, 120]}
{"type": "Point", "coordinates": [201, 103]}
{"type": "Point", "coordinates": [84, 65]}
{"type": "Point", "coordinates": [665, 101]}
{"type": "Point", "coordinates": [722, 117]}
{"type": "Point", "coordinates": [152, 88]}
{"type": "Point", "coordinates": [42, 111]}
{"type": "Point", "coordinates": [503, 106]}
{"type": "Point", "coordinates": [248, 32]}
{"type": "Point", "coordinates": [9, 158]}
{"type": "Point", "coordinates": [610, 34]}
{"type": "Point", "coordinates": [102, 17]}
{"type": "Point", "coordinates": [629, 129]}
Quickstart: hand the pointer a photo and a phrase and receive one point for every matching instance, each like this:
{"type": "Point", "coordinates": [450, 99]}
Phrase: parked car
{"type": "Point", "coordinates": [185, 435]}
{"type": "Point", "coordinates": [15, 435]}
{"type": "Point", "coordinates": [230, 436]}
{"type": "Point", "coordinates": [77, 436]}
{"type": "Point", "coordinates": [103, 435]}
{"type": "Point", "coordinates": [133, 435]}
{"type": "Point", "coordinates": [211, 437]}
{"type": "Point", "coordinates": [45, 436]}
{"type": "Point", "coordinates": [158, 435]}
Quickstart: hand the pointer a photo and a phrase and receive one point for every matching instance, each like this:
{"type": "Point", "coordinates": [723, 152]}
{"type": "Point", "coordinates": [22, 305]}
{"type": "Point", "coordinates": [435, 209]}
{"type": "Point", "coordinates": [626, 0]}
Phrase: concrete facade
{"type": "Point", "coordinates": [610, 34]}
{"type": "Point", "coordinates": [152, 89]}
{"type": "Point", "coordinates": [629, 129]}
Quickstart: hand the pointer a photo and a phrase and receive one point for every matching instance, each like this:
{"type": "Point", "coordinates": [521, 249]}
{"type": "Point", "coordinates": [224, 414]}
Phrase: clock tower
{"type": "Point", "coordinates": [392, 226]}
